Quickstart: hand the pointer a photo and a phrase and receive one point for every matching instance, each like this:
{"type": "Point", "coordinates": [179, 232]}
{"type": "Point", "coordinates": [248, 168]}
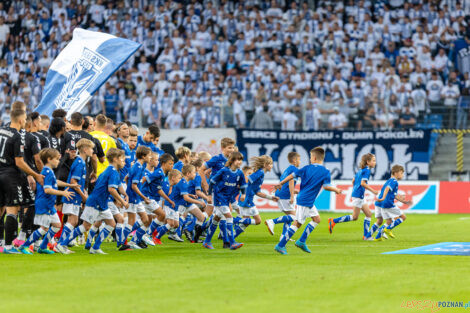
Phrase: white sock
{"type": "Point", "coordinates": [22, 236]}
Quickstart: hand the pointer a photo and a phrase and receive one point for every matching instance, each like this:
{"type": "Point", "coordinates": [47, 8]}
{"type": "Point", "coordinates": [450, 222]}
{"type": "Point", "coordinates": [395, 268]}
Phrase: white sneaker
{"type": "Point", "coordinates": [98, 251]}
{"type": "Point", "coordinates": [270, 225]}
{"type": "Point", "coordinates": [175, 237]}
{"type": "Point", "coordinates": [384, 235]}
{"type": "Point", "coordinates": [148, 241]}
{"type": "Point", "coordinates": [62, 249]}
{"type": "Point", "coordinates": [70, 251]}
{"type": "Point", "coordinates": [133, 245]}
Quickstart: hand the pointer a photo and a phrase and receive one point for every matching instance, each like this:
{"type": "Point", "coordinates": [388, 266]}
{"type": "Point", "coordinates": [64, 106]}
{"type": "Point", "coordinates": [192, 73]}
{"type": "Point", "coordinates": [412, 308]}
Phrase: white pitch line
{"type": "Point", "coordinates": [325, 245]}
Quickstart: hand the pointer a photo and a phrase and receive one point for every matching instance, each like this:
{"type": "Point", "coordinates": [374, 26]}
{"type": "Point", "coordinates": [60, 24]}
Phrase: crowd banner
{"type": "Point", "coordinates": [81, 68]}
{"type": "Point", "coordinates": [409, 148]}
{"type": "Point", "coordinates": [198, 139]}
{"type": "Point", "coordinates": [424, 195]}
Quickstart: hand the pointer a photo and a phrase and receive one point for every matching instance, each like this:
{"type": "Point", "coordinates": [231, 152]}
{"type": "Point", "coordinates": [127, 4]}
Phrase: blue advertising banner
{"type": "Point", "coordinates": [409, 148]}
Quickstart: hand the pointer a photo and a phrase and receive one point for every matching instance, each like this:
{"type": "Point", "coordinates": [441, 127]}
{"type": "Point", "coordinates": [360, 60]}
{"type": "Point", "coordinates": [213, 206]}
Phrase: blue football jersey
{"type": "Point", "coordinates": [133, 158]}
{"type": "Point", "coordinates": [389, 201]}
{"type": "Point", "coordinates": [44, 202]}
{"type": "Point", "coordinates": [151, 145]}
{"type": "Point", "coordinates": [77, 172]}
{"type": "Point", "coordinates": [135, 177]}
{"type": "Point", "coordinates": [358, 190]}
{"type": "Point", "coordinates": [177, 193]}
{"type": "Point", "coordinates": [178, 166]}
{"type": "Point", "coordinates": [194, 185]}
{"type": "Point", "coordinates": [227, 185]}
{"type": "Point", "coordinates": [153, 183]}
{"type": "Point", "coordinates": [312, 177]}
{"type": "Point", "coordinates": [127, 152]}
{"type": "Point", "coordinates": [284, 192]}
{"type": "Point", "coordinates": [216, 163]}
{"type": "Point", "coordinates": [166, 185]}
{"type": "Point", "coordinates": [255, 181]}
{"type": "Point", "coordinates": [98, 199]}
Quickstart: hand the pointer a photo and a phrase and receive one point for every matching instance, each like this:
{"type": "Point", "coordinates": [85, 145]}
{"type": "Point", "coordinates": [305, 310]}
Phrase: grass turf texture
{"type": "Point", "coordinates": [343, 274]}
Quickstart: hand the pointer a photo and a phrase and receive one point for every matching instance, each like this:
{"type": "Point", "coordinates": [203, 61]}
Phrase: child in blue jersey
{"type": "Point", "coordinates": [312, 177]}
{"type": "Point", "coordinates": [134, 184]}
{"type": "Point", "coordinates": [385, 205]}
{"type": "Point", "coordinates": [212, 167]}
{"type": "Point", "coordinates": [116, 211]}
{"type": "Point", "coordinates": [226, 184]}
{"type": "Point", "coordinates": [178, 189]}
{"type": "Point", "coordinates": [194, 188]}
{"type": "Point", "coordinates": [96, 207]}
{"type": "Point", "coordinates": [248, 210]}
{"type": "Point", "coordinates": [183, 154]}
{"type": "Point", "coordinates": [359, 186]}
{"type": "Point", "coordinates": [152, 188]}
{"type": "Point", "coordinates": [217, 162]}
{"type": "Point", "coordinates": [191, 205]}
{"type": "Point", "coordinates": [71, 207]}
{"type": "Point", "coordinates": [46, 215]}
{"type": "Point", "coordinates": [286, 196]}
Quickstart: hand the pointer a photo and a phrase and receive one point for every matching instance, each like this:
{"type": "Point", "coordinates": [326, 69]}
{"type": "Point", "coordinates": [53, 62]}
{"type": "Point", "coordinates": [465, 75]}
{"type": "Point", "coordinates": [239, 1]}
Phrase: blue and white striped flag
{"type": "Point", "coordinates": [81, 68]}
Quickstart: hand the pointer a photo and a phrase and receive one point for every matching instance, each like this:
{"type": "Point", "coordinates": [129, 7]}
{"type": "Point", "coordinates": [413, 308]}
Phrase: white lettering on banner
{"type": "Point", "coordinates": [410, 134]}
{"type": "Point", "coordinates": [357, 135]}
{"type": "Point", "coordinates": [346, 161]}
{"type": "Point", "coordinates": [306, 136]}
{"type": "Point", "coordinates": [257, 134]}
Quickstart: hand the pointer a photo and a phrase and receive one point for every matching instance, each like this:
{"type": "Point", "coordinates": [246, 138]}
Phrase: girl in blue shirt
{"type": "Point", "coordinates": [228, 182]}
{"type": "Point", "coordinates": [260, 165]}
{"type": "Point", "coordinates": [359, 186]}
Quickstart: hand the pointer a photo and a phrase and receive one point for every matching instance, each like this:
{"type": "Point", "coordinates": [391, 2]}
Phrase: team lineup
{"type": "Point", "coordinates": [89, 178]}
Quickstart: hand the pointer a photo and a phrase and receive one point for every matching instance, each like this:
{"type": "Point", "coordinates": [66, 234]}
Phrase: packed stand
{"type": "Point", "coordinates": [288, 65]}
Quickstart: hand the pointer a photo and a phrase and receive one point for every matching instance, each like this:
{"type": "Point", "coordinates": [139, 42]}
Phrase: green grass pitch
{"type": "Point", "coordinates": [343, 274]}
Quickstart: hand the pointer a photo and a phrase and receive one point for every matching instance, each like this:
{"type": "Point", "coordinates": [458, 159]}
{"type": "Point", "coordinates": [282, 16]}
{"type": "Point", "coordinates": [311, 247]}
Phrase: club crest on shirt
{"type": "Point", "coordinates": [84, 72]}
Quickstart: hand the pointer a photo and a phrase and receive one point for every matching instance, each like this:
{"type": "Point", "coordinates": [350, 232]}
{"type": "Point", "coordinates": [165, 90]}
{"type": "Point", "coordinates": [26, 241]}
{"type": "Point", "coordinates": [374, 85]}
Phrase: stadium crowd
{"type": "Point", "coordinates": [261, 64]}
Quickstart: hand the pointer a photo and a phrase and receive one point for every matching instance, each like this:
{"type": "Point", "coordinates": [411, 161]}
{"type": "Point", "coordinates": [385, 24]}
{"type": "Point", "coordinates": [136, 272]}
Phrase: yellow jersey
{"type": "Point", "coordinates": [107, 142]}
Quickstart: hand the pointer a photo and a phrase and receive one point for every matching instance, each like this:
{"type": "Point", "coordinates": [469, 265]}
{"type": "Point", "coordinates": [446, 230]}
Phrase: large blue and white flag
{"type": "Point", "coordinates": [81, 68]}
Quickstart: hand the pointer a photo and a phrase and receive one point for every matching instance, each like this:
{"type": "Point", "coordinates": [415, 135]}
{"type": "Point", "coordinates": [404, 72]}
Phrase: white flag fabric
{"type": "Point", "coordinates": [81, 68]}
